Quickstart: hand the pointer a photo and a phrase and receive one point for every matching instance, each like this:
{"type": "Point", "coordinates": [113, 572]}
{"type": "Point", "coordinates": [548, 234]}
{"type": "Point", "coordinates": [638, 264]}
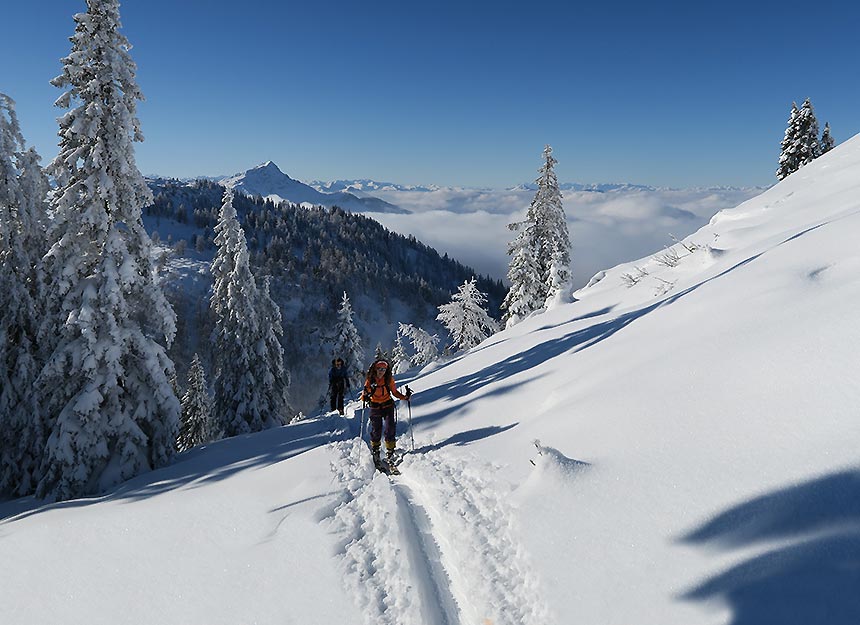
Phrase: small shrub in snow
{"type": "Point", "coordinates": [691, 247]}
{"type": "Point", "coordinates": [633, 277]}
{"type": "Point", "coordinates": [663, 286]}
{"type": "Point", "coordinates": [668, 258]}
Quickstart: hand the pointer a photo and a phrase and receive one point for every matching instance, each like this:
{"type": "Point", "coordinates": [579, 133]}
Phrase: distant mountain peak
{"type": "Point", "coordinates": [269, 166]}
{"type": "Point", "coordinates": [268, 169]}
{"type": "Point", "coordinates": [268, 181]}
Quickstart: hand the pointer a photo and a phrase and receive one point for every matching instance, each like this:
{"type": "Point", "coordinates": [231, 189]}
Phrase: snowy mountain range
{"type": "Point", "coordinates": [363, 186]}
{"type": "Point", "coordinates": [269, 182]}
{"type": "Point", "coordinates": [678, 446]}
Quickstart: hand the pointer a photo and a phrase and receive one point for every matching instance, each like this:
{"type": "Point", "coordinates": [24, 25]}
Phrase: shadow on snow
{"type": "Point", "coordinates": [812, 577]}
{"type": "Point", "coordinates": [465, 438]}
{"type": "Point", "coordinates": [203, 465]}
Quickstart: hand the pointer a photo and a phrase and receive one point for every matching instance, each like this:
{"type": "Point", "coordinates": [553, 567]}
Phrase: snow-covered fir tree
{"type": "Point", "coordinates": [198, 426]}
{"type": "Point", "coordinates": [800, 145]}
{"type": "Point", "coordinates": [788, 158]}
{"type": "Point", "coordinates": [466, 318]}
{"type": "Point", "coordinates": [553, 234]}
{"type": "Point", "coordinates": [525, 294]}
{"type": "Point", "coordinates": [827, 142]}
{"type": "Point", "coordinates": [425, 346]}
{"type": "Point", "coordinates": [22, 240]}
{"type": "Point", "coordinates": [380, 353]}
{"type": "Point", "coordinates": [35, 187]}
{"type": "Point", "coordinates": [347, 343]}
{"type": "Point", "coordinates": [111, 411]}
{"type": "Point", "coordinates": [539, 271]}
{"type": "Point", "coordinates": [248, 397]}
{"type": "Point", "coordinates": [276, 380]}
{"type": "Point", "coordinates": [809, 146]}
{"type": "Point", "coordinates": [399, 355]}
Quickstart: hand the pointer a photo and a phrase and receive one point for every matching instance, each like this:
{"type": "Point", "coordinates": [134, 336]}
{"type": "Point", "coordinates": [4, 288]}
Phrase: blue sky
{"type": "Point", "coordinates": [460, 93]}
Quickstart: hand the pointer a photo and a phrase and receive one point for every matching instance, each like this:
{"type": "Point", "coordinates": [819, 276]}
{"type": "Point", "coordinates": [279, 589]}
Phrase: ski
{"type": "Point", "coordinates": [381, 466]}
{"type": "Point", "coordinates": [392, 468]}
{"type": "Point", "coordinates": [397, 458]}
{"type": "Point", "coordinates": [386, 466]}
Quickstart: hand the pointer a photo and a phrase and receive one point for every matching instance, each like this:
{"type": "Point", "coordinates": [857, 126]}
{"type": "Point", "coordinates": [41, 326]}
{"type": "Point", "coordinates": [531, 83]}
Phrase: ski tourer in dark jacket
{"type": "Point", "coordinates": [338, 384]}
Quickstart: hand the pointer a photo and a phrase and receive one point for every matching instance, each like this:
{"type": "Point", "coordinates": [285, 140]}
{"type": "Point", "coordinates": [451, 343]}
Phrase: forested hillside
{"type": "Point", "coordinates": [313, 255]}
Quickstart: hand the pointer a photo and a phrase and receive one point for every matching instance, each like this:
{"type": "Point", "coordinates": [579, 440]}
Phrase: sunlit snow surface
{"type": "Point", "coordinates": [681, 445]}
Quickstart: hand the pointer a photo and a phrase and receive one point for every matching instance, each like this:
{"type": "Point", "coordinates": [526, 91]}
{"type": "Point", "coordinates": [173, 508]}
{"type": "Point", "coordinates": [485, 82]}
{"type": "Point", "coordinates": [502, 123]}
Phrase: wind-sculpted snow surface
{"type": "Point", "coordinates": [435, 545]}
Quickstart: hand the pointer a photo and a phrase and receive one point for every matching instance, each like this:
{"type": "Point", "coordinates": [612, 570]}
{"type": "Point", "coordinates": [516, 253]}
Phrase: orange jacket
{"type": "Point", "coordinates": [381, 395]}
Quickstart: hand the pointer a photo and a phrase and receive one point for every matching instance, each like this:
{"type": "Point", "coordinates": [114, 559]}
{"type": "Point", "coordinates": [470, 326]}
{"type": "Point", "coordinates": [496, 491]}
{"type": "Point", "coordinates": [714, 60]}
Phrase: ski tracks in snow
{"type": "Point", "coordinates": [434, 546]}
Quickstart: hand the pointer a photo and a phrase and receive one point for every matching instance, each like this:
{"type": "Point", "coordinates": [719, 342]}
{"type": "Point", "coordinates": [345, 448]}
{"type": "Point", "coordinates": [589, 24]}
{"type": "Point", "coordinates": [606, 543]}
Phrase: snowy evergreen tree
{"type": "Point", "coordinates": [379, 353]}
{"type": "Point", "coordinates": [553, 234]}
{"type": "Point", "coordinates": [248, 397]}
{"type": "Point", "coordinates": [198, 426]}
{"type": "Point", "coordinates": [106, 384]}
{"type": "Point", "coordinates": [400, 356]}
{"type": "Point", "coordinates": [788, 160]}
{"type": "Point", "coordinates": [827, 142]}
{"type": "Point", "coordinates": [276, 379]}
{"type": "Point", "coordinates": [800, 145]}
{"type": "Point", "coordinates": [466, 318]}
{"type": "Point", "coordinates": [539, 271]}
{"type": "Point", "coordinates": [22, 240]}
{"type": "Point", "coordinates": [425, 345]}
{"type": "Point", "coordinates": [524, 273]}
{"type": "Point", "coordinates": [347, 344]}
{"type": "Point", "coordinates": [809, 147]}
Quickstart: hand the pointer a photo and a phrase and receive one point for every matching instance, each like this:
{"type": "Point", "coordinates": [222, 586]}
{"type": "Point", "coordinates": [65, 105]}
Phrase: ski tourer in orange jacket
{"type": "Point", "coordinates": [379, 386]}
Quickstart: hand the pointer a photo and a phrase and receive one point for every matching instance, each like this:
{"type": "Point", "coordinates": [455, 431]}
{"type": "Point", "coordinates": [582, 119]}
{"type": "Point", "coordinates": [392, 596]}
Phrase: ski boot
{"type": "Point", "coordinates": [377, 461]}
{"type": "Point", "coordinates": [390, 459]}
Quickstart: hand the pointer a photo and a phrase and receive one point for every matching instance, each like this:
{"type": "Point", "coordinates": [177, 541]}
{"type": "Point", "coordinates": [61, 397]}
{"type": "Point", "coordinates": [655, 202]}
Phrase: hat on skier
{"type": "Point", "coordinates": [379, 364]}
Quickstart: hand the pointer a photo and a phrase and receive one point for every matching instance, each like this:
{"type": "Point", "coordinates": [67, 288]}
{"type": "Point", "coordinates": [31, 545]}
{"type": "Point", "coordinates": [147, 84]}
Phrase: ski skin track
{"type": "Point", "coordinates": [447, 561]}
{"type": "Point", "coordinates": [424, 552]}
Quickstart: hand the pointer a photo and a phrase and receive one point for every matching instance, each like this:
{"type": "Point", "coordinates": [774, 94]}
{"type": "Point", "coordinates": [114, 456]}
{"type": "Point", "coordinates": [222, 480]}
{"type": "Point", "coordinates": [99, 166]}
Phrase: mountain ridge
{"type": "Point", "coordinates": [269, 182]}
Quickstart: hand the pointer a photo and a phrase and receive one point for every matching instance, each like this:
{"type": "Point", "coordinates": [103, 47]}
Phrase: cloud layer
{"type": "Point", "coordinates": [606, 228]}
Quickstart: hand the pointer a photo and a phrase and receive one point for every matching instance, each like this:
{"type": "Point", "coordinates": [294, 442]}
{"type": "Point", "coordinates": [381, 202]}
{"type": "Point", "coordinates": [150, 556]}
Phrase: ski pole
{"type": "Point", "coordinates": [409, 408]}
{"type": "Point", "coordinates": [363, 413]}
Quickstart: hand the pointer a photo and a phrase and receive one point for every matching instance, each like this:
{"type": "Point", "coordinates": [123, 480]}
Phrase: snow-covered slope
{"type": "Point", "coordinates": [698, 464]}
{"type": "Point", "coordinates": [268, 181]}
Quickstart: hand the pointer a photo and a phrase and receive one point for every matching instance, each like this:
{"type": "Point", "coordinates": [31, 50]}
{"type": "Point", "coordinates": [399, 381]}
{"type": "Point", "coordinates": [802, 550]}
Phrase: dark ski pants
{"type": "Point", "coordinates": [377, 417]}
{"type": "Point", "coordinates": [337, 399]}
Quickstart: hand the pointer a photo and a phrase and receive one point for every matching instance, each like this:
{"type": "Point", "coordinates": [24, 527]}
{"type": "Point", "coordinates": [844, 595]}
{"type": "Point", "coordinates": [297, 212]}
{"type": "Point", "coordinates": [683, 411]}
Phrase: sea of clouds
{"type": "Point", "coordinates": [606, 228]}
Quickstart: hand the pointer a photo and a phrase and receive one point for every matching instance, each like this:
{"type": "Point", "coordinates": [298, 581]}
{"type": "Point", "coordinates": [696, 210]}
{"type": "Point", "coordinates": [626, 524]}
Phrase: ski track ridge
{"type": "Point", "coordinates": [434, 546]}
